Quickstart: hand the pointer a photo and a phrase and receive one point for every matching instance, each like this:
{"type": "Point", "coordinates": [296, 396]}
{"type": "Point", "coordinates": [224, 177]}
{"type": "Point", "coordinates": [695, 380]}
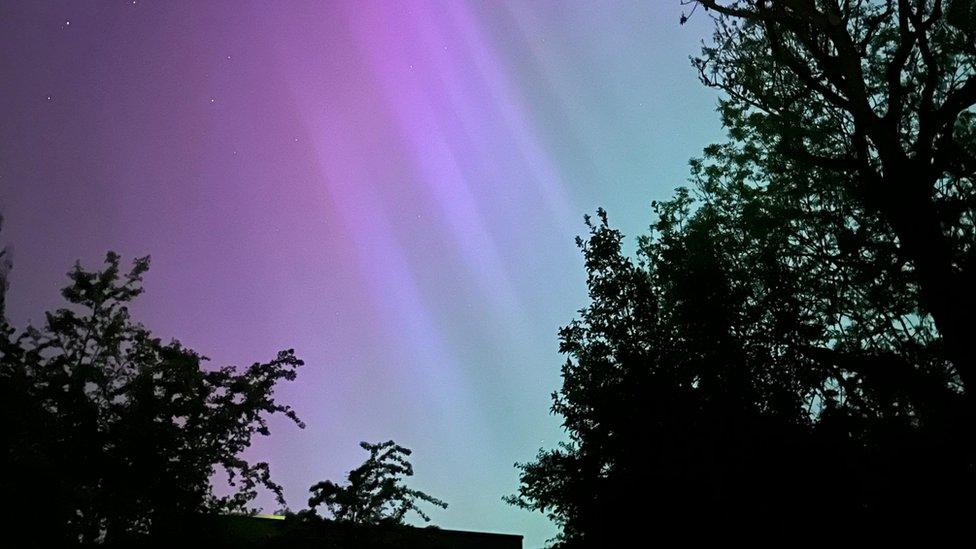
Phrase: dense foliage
{"type": "Point", "coordinates": [111, 434]}
{"type": "Point", "coordinates": [870, 101]}
{"type": "Point", "coordinates": [790, 352]}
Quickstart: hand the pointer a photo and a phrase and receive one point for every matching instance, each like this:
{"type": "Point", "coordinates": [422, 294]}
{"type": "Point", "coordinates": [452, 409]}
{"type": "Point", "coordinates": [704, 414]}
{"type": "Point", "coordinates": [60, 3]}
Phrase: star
{"type": "Point", "coordinates": [213, 100]}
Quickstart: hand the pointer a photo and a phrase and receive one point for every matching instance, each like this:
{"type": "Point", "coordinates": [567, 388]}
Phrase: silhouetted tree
{"type": "Point", "coordinates": [113, 435]}
{"type": "Point", "coordinates": [731, 381]}
{"type": "Point", "coordinates": [792, 349]}
{"type": "Point", "coordinates": [375, 493]}
{"type": "Point", "coordinates": [872, 102]}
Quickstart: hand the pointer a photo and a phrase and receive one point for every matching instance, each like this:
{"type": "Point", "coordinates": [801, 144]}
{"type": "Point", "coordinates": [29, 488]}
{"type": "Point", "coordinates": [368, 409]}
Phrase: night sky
{"type": "Point", "coordinates": [391, 189]}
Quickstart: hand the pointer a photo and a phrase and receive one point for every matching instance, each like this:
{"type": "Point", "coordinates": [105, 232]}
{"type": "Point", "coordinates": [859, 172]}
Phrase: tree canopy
{"type": "Point", "coordinates": [791, 349]}
{"type": "Point", "coordinates": [112, 435]}
{"type": "Point", "coordinates": [375, 492]}
{"type": "Point", "coordinates": [872, 101]}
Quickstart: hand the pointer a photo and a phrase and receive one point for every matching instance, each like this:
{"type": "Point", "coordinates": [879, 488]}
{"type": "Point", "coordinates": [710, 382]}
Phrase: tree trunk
{"type": "Point", "coordinates": [945, 294]}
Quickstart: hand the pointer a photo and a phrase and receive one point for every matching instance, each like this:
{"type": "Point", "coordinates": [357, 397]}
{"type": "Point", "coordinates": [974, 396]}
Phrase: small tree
{"type": "Point", "coordinates": [114, 435]}
{"type": "Point", "coordinates": [375, 493]}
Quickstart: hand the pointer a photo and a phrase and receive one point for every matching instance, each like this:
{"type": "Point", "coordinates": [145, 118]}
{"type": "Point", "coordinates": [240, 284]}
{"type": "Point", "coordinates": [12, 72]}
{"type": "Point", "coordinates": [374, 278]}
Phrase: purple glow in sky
{"type": "Point", "coordinates": [390, 188]}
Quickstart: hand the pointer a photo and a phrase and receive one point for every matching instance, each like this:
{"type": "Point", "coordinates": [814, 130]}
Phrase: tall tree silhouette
{"type": "Point", "coordinates": [814, 306]}
{"type": "Point", "coordinates": [732, 380]}
{"type": "Point", "coordinates": [875, 99]}
{"type": "Point", "coordinates": [375, 493]}
{"type": "Point", "coordinates": [113, 434]}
